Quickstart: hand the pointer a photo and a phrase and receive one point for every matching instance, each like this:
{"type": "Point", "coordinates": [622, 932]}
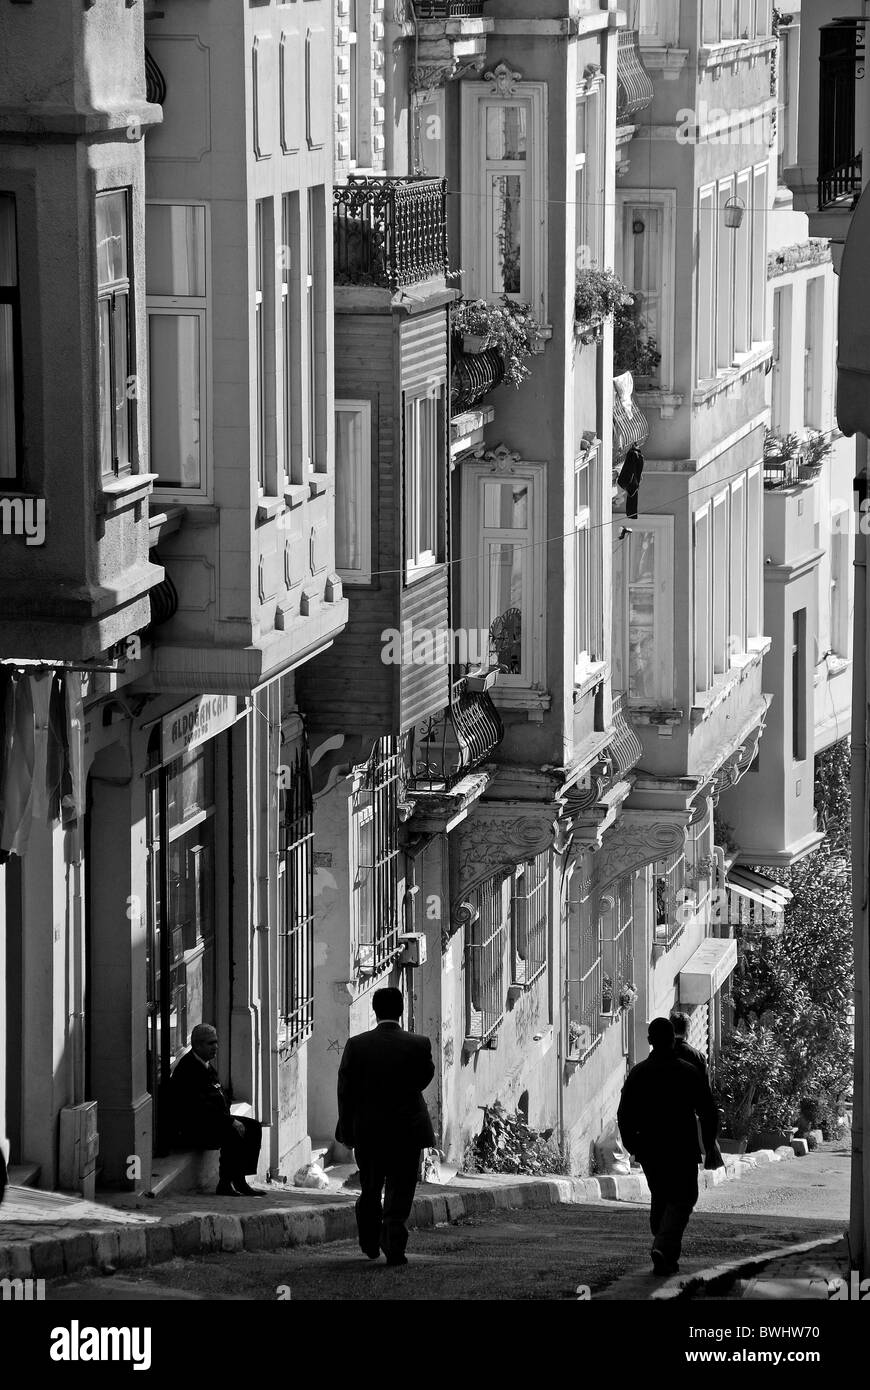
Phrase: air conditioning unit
{"type": "Point", "coordinates": [79, 1146]}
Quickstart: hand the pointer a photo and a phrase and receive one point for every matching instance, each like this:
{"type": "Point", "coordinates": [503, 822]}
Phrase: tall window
{"type": "Point", "coordinates": [290, 348]}
{"type": "Point", "coordinates": [485, 941]}
{"type": "Point", "coordinates": [10, 343]}
{"type": "Point", "coordinates": [616, 910]}
{"type": "Point", "coordinates": [754, 523]}
{"type": "Point", "coordinates": [582, 571]}
{"type": "Point", "coordinates": [424, 481]}
{"type": "Point", "coordinates": [643, 597]}
{"type": "Point", "coordinates": [813, 356]}
{"type": "Point", "coordinates": [742, 239]}
{"type": "Point", "coordinates": [760, 212]}
{"type": "Point", "coordinates": [353, 82]}
{"type": "Point", "coordinates": [585, 971]}
{"type": "Point", "coordinates": [116, 374]}
{"type": "Point", "coordinates": [353, 472]}
{"type": "Point", "coordinates": [841, 561]}
{"type": "Point", "coordinates": [315, 321]}
{"type": "Point", "coordinates": [706, 327]}
{"type": "Point", "coordinates": [175, 242]}
{"type": "Point", "coordinates": [724, 282]}
{"type": "Point", "coordinates": [646, 245]}
{"type": "Point", "coordinates": [780, 414]}
{"type": "Point", "coordinates": [799, 685]}
{"type": "Point", "coordinates": [296, 907]}
{"type": "Point", "coordinates": [737, 569]}
{"type": "Point", "coordinates": [719, 582]}
{"type": "Point", "coordinates": [375, 859]}
{"type": "Point", "coordinates": [530, 919]}
{"type": "Point", "coordinates": [260, 257]}
{"type": "Point", "coordinates": [504, 590]}
{"type": "Point", "coordinates": [702, 599]}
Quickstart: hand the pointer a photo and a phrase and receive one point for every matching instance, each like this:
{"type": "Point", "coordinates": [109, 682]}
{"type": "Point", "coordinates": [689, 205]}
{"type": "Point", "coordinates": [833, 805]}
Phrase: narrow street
{"type": "Point", "coordinates": [540, 1255]}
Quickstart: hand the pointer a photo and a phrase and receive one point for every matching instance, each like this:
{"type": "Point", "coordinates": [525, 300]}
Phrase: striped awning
{"type": "Point", "coordinates": [772, 896]}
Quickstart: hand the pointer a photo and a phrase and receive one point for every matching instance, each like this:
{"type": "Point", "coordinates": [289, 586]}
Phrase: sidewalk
{"type": "Point", "coordinates": [47, 1234]}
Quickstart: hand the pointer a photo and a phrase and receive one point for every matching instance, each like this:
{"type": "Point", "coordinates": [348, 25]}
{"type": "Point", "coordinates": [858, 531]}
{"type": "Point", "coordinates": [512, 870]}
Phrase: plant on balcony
{"type": "Point", "coordinates": [634, 348]}
{"type": "Point", "coordinates": [805, 455]}
{"type": "Point", "coordinates": [578, 1040]}
{"type": "Point", "coordinates": [606, 994]}
{"type": "Point", "coordinates": [627, 995]}
{"type": "Point", "coordinates": [597, 295]}
{"type": "Point", "coordinates": [505, 325]}
{"type": "Point", "coordinates": [815, 449]}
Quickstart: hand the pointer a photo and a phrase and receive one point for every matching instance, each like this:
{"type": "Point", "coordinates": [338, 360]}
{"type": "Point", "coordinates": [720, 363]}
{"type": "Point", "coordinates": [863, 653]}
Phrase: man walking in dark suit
{"type": "Point", "coordinates": [682, 1049]}
{"type": "Point", "coordinates": [382, 1116]}
{"type": "Point", "coordinates": [662, 1101]}
{"type": "Point", "coordinates": [202, 1116]}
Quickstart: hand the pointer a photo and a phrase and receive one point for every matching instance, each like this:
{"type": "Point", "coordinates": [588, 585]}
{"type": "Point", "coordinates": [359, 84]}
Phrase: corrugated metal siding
{"type": "Point", "coordinates": [425, 689]}
{"type": "Point", "coordinates": [423, 350]}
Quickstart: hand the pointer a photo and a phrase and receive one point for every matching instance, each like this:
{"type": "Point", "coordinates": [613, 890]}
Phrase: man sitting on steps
{"type": "Point", "coordinates": [203, 1119]}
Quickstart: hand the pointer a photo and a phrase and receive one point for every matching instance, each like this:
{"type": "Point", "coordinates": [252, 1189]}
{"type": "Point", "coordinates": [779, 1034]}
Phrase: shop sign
{"type": "Point", "coordinates": [195, 722]}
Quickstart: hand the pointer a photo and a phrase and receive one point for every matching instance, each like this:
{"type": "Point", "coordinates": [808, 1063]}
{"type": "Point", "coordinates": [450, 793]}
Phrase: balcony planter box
{"type": "Point", "coordinates": [476, 682]}
{"type": "Point", "coordinates": [474, 343]}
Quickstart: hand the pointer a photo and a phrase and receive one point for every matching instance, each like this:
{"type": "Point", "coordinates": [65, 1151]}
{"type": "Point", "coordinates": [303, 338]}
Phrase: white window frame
{"type": "Point", "coordinates": [814, 338]}
{"type": "Point", "coordinates": [361, 468]}
{"type": "Point", "coordinates": [706, 311]}
{"type": "Point", "coordinates": [841, 564]}
{"type": "Point", "coordinates": [737, 569]}
{"type": "Point", "coordinates": [759, 251]}
{"type": "Point", "coordinates": [702, 545]}
{"type": "Point", "coordinates": [719, 583]}
{"type": "Point", "coordinates": [663, 612]}
{"type": "Point", "coordinates": [419, 558]}
{"type": "Point", "coordinates": [658, 23]}
{"type": "Point", "coordinates": [742, 296]}
{"type": "Point", "coordinates": [198, 307]}
{"type": "Point", "coordinates": [780, 412]}
{"type": "Point", "coordinates": [353, 132]}
{"type": "Point", "coordinates": [475, 582]}
{"type": "Point", "coordinates": [474, 204]}
{"type": "Point", "coordinates": [754, 535]}
{"type": "Point", "coordinates": [724, 281]}
{"type": "Point", "coordinates": [583, 583]}
{"type": "Point", "coordinates": [629, 201]}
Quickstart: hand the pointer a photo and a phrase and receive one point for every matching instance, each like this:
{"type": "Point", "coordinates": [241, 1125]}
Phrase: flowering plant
{"type": "Point", "coordinates": [598, 294]}
{"type": "Point", "coordinates": [627, 994]}
{"type": "Point", "coordinates": [505, 325]}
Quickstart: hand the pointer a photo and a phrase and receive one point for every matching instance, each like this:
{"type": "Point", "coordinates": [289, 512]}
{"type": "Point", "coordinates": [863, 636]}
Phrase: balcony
{"type": "Point", "coordinates": [389, 232]}
{"type": "Point", "coordinates": [444, 748]}
{"type": "Point", "coordinates": [449, 9]}
{"type": "Point", "coordinates": [473, 376]}
{"type": "Point", "coordinates": [634, 89]}
{"type": "Point", "coordinates": [841, 63]}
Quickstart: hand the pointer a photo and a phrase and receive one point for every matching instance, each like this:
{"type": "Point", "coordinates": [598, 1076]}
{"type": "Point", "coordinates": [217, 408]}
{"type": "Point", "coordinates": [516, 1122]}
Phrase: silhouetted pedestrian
{"type": "Point", "coordinates": [382, 1116]}
{"type": "Point", "coordinates": [662, 1101]}
{"type": "Point", "coordinates": [682, 1048]}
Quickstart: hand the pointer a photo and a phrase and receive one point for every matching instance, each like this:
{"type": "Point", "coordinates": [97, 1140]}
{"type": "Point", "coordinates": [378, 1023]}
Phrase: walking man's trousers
{"type": "Point", "coordinates": [388, 1177]}
{"type": "Point", "coordinates": [673, 1190]}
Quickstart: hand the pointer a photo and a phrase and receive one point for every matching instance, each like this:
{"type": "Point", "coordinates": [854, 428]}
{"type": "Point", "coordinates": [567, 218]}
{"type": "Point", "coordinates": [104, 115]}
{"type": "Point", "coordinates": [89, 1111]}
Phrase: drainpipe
{"type": "Point", "coordinates": [860, 1199]}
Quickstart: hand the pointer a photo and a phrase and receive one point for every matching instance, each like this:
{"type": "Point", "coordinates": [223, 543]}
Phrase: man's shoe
{"type": "Point", "coordinates": [225, 1189]}
{"type": "Point", "coordinates": [373, 1251]}
{"type": "Point", "coordinates": [245, 1190]}
{"type": "Point", "coordinates": [397, 1260]}
{"type": "Point", "coordinates": [661, 1264]}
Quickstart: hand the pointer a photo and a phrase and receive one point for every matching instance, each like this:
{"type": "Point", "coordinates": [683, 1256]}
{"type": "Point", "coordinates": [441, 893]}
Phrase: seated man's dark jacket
{"type": "Point", "coordinates": [380, 1083]}
{"type": "Point", "coordinates": [657, 1112]}
{"type": "Point", "coordinates": [200, 1109]}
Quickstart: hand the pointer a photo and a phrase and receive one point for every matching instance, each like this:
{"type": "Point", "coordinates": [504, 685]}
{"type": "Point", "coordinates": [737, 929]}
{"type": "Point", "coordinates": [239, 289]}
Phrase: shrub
{"type": "Point", "coordinates": [597, 295]}
{"type": "Point", "coordinates": [505, 325]}
{"type": "Point", "coordinates": [506, 1144]}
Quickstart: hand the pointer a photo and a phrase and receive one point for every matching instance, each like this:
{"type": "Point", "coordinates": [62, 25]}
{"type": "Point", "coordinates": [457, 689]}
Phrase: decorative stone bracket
{"type": "Point", "coordinates": [639, 838]}
{"type": "Point", "coordinates": [495, 839]}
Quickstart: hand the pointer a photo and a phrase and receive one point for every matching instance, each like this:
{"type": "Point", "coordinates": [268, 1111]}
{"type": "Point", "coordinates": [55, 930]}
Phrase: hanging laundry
{"type": "Point", "coordinates": [629, 479]}
{"type": "Point", "coordinates": [19, 751]}
{"type": "Point", "coordinates": [72, 789]}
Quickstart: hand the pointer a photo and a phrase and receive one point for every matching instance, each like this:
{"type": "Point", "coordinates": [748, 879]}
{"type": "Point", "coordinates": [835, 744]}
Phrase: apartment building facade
{"type": "Point", "coordinates": [171, 299]}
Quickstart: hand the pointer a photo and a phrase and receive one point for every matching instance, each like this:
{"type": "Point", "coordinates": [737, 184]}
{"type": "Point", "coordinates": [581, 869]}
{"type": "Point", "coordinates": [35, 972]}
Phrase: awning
{"type": "Point", "coordinates": [707, 970]}
{"type": "Point", "coordinates": [772, 896]}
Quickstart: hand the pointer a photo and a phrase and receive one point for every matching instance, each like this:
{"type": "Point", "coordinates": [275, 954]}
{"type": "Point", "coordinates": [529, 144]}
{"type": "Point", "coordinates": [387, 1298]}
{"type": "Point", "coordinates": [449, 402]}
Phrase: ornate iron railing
{"type": "Point", "coordinates": [443, 748]}
{"type": "Point", "coordinates": [389, 231]}
{"type": "Point", "coordinates": [622, 754]}
{"type": "Point", "coordinates": [376, 909]}
{"type": "Point", "coordinates": [473, 376]}
{"type": "Point", "coordinates": [155, 82]}
{"type": "Point", "coordinates": [841, 63]}
{"type": "Point", "coordinates": [449, 9]}
{"type": "Point", "coordinates": [484, 923]}
{"type": "Point", "coordinates": [634, 89]}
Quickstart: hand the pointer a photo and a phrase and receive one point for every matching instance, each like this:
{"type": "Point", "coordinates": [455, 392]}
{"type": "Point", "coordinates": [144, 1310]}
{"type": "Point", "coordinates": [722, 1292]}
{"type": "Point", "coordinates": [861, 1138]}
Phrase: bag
{"type": "Point", "coordinates": [311, 1175]}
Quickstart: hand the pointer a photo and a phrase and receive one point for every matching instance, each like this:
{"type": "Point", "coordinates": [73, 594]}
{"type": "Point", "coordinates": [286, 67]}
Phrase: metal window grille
{"type": "Point", "coordinates": [376, 858]}
{"type": "Point", "coordinates": [623, 937]}
{"type": "Point", "coordinates": [668, 905]}
{"type": "Point", "coordinates": [484, 958]}
{"type": "Point", "coordinates": [583, 987]}
{"type": "Point", "coordinates": [529, 920]}
{"type": "Point", "coordinates": [296, 905]}
{"type": "Point", "coordinates": [841, 64]}
{"type": "Point", "coordinates": [700, 864]}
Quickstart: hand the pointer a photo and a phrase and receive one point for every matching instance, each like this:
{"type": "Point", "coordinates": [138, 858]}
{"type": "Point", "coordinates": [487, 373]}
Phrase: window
{"type": "Point", "coordinates": [503, 520]}
{"type": "Point", "coordinates": [504, 234]}
{"type": "Point", "coordinates": [116, 374]}
{"type": "Point", "coordinates": [783, 106]}
{"type": "Point", "coordinates": [582, 254]}
{"type": "Point", "coordinates": [779, 411]}
{"type": "Point", "coordinates": [707, 223]}
{"type": "Point", "coordinates": [616, 910]}
{"type": "Point", "coordinates": [260, 258]}
{"type": "Point", "coordinates": [375, 859]}
{"type": "Point", "coordinates": [175, 243]}
{"type": "Point", "coordinates": [290, 345]}
{"type": "Point", "coordinates": [841, 562]}
{"type": "Point", "coordinates": [582, 577]}
{"type": "Point", "coordinates": [742, 240]}
{"type": "Point", "coordinates": [589, 166]}
{"type": "Point", "coordinates": [724, 282]}
{"type": "Point", "coordinates": [658, 23]}
{"type": "Point", "coordinates": [646, 248]}
{"type": "Point", "coordinates": [799, 685]}
{"type": "Point", "coordinates": [729, 19]}
{"type": "Point", "coordinates": [424, 481]}
{"type": "Point", "coordinates": [754, 523]}
{"type": "Point", "coordinates": [702, 599]}
{"type": "Point", "coordinates": [10, 344]}
{"type": "Point", "coordinates": [353, 481]}
{"type": "Point", "coordinates": [737, 570]}
{"type": "Point", "coordinates": [315, 320]}
{"type": "Point", "coordinates": [585, 972]}
{"type": "Point", "coordinates": [668, 902]}
{"type": "Point", "coordinates": [719, 583]}
{"type": "Point", "coordinates": [813, 357]}
{"type": "Point", "coordinates": [485, 940]}
{"type": "Point", "coordinates": [353, 82]}
{"type": "Point", "coordinates": [760, 212]}
{"type": "Point", "coordinates": [530, 919]}
{"type": "Point", "coordinates": [643, 596]}
{"type": "Point", "coordinates": [296, 907]}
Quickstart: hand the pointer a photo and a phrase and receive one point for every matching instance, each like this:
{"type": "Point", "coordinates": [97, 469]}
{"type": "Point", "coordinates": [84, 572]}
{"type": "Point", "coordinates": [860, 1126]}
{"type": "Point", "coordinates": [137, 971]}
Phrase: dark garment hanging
{"type": "Point", "coordinates": [629, 479]}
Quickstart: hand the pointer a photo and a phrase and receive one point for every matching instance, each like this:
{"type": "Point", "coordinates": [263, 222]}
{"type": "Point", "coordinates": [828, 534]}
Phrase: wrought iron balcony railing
{"type": "Point", "coordinates": [449, 9]}
{"type": "Point", "coordinates": [841, 63]}
{"type": "Point", "coordinates": [473, 376]}
{"type": "Point", "coordinates": [452, 743]}
{"type": "Point", "coordinates": [155, 82]}
{"type": "Point", "coordinates": [634, 89]}
{"type": "Point", "coordinates": [622, 754]}
{"type": "Point", "coordinates": [389, 231]}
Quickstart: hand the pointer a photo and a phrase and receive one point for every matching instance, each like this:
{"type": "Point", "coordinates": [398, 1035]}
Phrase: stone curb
{"type": "Point", "coordinates": [201, 1233]}
{"type": "Point", "coordinates": [685, 1288]}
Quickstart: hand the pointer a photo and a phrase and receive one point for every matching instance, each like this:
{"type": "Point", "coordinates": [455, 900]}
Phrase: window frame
{"type": "Point", "coordinates": [737, 557]}
{"type": "Point", "coordinates": [664, 32]}
{"type": "Point", "coordinates": [10, 295]}
{"type": "Point", "coordinates": [363, 470]}
{"type": "Point", "coordinates": [193, 306]}
{"type": "Point", "coordinates": [725, 258]}
{"type": "Point", "coordinates": [109, 293]}
{"type": "Point", "coordinates": [476, 97]}
{"type": "Point", "coordinates": [663, 613]}
{"type": "Point", "coordinates": [628, 202]}
{"type": "Point", "coordinates": [486, 941]}
{"type": "Point", "coordinates": [719, 583]}
{"type": "Point", "coordinates": [814, 362]}
{"type": "Point", "coordinates": [530, 884]}
{"type": "Point", "coordinates": [759, 252]}
{"type": "Point", "coordinates": [754, 547]}
{"type": "Point", "coordinates": [585, 966]}
{"type": "Point", "coordinates": [475, 588]}
{"type": "Point", "coordinates": [420, 560]}
{"type": "Point", "coordinates": [583, 596]}
{"type": "Point", "coordinates": [295, 928]}
{"type": "Point", "coordinates": [702, 548]}
{"type": "Point", "coordinates": [706, 348]}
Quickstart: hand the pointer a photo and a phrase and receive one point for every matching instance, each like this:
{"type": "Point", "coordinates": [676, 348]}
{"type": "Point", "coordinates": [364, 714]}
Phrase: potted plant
{"type": "Point", "coordinates": [579, 1040]}
{"type": "Point", "coordinates": [504, 325]}
{"type": "Point", "coordinates": [597, 295]}
{"type": "Point", "coordinates": [815, 448]}
{"type": "Point", "coordinates": [634, 349]}
{"type": "Point", "coordinates": [627, 996]}
{"type": "Point", "coordinates": [606, 995]}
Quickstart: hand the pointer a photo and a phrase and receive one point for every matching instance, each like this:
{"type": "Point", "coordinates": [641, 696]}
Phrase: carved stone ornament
{"type": "Point", "coordinates": [635, 842]}
{"type": "Point", "coordinates": [502, 459]}
{"type": "Point", "coordinates": [427, 77]}
{"type": "Point", "coordinates": [494, 840]}
{"type": "Point", "coordinates": [503, 80]}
